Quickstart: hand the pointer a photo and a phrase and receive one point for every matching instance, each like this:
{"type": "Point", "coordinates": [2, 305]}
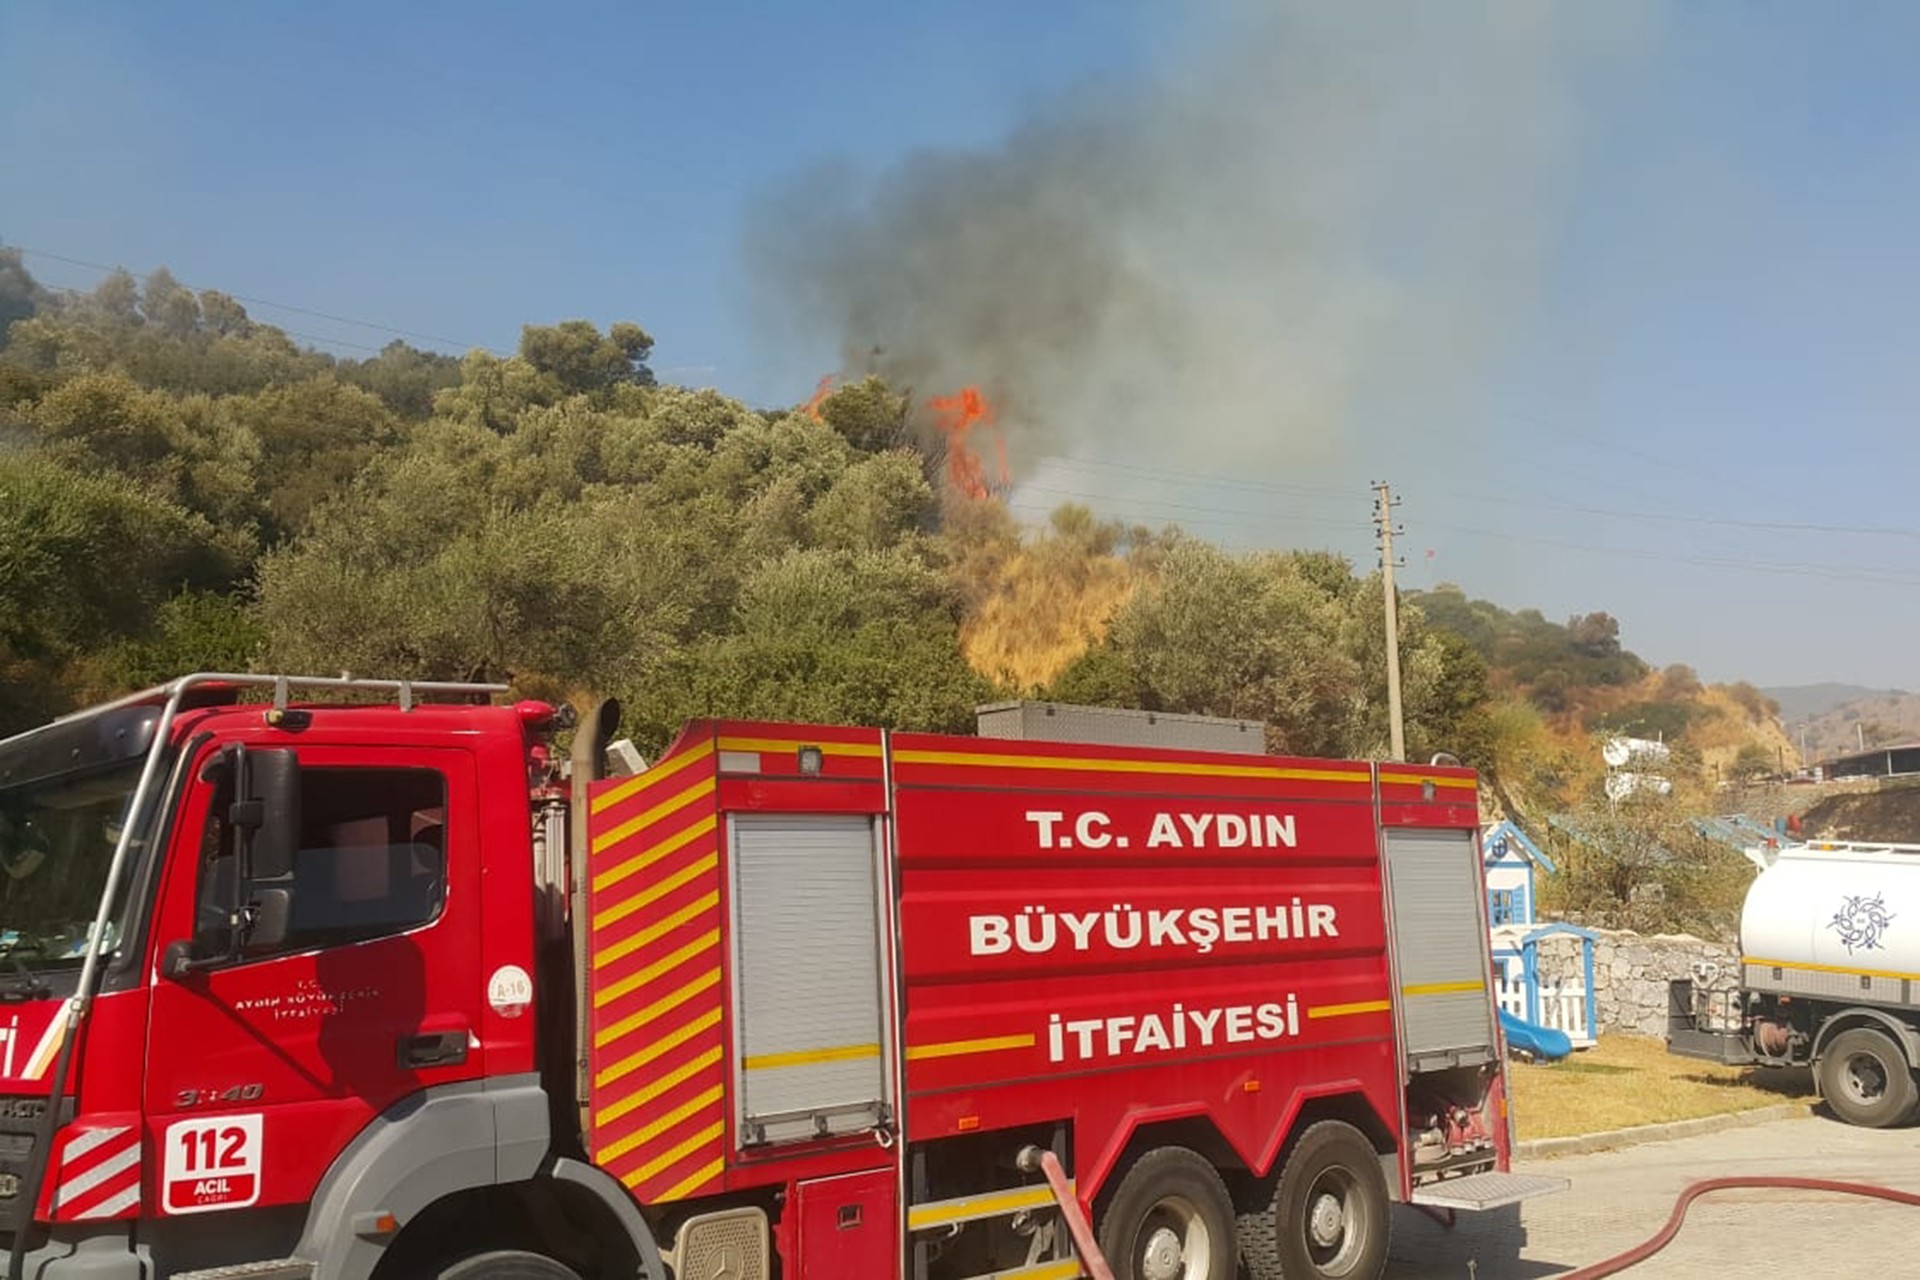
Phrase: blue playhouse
{"type": "Point", "coordinates": [1513, 864]}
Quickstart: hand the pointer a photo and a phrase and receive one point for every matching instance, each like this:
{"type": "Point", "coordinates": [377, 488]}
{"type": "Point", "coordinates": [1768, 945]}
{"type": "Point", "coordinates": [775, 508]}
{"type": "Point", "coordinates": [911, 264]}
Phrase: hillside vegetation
{"type": "Point", "coordinates": [185, 487]}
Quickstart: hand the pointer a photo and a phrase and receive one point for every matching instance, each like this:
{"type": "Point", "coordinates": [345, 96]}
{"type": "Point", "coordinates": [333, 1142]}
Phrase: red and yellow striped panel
{"type": "Point", "coordinates": [659, 1110]}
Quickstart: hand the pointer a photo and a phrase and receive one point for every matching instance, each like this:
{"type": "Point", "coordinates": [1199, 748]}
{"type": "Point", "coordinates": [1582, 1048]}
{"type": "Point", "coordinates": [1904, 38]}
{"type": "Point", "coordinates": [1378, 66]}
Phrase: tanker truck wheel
{"type": "Point", "coordinates": [1329, 1215]}
{"type": "Point", "coordinates": [1170, 1219]}
{"type": "Point", "coordinates": [1865, 1079]}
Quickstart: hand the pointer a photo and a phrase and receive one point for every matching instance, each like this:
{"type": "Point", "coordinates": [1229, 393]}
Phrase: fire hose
{"type": "Point", "coordinates": [1048, 1163]}
{"type": "Point", "coordinates": [1663, 1237]}
{"type": "Point", "coordinates": [1097, 1267]}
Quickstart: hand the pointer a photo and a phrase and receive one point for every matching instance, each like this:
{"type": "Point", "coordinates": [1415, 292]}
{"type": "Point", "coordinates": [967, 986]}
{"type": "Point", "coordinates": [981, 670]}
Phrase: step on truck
{"type": "Point", "coordinates": [330, 979]}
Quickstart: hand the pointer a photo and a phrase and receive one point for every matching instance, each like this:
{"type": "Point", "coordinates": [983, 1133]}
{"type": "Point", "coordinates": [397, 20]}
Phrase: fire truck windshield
{"type": "Point", "coordinates": [57, 837]}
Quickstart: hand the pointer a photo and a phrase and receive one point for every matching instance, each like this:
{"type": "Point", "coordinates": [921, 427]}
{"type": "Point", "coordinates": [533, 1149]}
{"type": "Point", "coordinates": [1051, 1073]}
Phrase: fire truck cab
{"type": "Point", "coordinates": [376, 982]}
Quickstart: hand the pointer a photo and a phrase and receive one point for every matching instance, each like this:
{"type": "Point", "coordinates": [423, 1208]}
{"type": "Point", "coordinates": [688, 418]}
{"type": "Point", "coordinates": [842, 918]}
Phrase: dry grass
{"type": "Point", "coordinates": [1631, 1080]}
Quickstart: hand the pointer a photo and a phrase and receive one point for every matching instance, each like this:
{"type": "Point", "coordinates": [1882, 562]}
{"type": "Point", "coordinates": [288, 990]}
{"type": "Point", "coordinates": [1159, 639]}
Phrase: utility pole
{"type": "Point", "coordinates": [1383, 517]}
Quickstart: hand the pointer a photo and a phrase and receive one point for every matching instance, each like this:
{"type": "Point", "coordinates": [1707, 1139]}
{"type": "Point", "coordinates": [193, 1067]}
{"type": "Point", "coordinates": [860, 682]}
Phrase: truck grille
{"type": "Point", "coordinates": [20, 1119]}
{"type": "Point", "coordinates": [730, 1245]}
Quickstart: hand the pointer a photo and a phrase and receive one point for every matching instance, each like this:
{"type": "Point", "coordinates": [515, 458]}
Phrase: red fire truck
{"type": "Point", "coordinates": [318, 979]}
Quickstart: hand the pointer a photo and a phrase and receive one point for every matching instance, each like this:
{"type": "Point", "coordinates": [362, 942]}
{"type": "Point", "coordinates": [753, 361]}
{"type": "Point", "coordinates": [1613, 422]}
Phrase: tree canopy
{"type": "Point", "coordinates": [182, 486]}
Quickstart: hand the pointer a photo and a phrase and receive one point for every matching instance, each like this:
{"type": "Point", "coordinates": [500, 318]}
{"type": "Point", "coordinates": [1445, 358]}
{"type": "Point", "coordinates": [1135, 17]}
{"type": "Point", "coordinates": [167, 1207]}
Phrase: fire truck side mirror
{"type": "Point", "coordinates": [271, 808]}
{"type": "Point", "coordinates": [263, 786]}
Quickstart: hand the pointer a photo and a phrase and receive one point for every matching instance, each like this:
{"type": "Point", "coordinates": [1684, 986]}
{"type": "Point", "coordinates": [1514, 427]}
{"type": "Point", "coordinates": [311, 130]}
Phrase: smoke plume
{"type": "Point", "coordinates": [1304, 241]}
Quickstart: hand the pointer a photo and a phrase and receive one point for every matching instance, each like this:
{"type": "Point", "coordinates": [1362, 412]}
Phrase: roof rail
{"type": "Point", "coordinates": [408, 691]}
{"type": "Point", "coordinates": [1854, 846]}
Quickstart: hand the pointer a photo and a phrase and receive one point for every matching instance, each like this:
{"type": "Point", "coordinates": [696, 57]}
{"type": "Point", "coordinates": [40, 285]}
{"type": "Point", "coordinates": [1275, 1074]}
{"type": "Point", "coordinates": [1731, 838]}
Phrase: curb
{"type": "Point", "coordinates": [1580, 1144]}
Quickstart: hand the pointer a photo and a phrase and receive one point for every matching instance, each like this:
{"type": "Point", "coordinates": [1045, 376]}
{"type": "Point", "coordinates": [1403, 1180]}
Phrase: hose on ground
{"type": "Point", "coordinates": [1662, 1238]}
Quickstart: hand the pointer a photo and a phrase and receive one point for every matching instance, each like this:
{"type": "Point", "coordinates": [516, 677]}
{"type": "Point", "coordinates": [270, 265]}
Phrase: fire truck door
{"type": "Point", "coordinates": [1440, 947]}
{"type": "Point", "coordinates": [261, 1071]}
{"type": "Point", "coordinates": [811, 1036]}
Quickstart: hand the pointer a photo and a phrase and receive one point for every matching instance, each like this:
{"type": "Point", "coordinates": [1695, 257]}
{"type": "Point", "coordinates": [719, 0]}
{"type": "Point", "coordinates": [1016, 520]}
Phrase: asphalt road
{"type": "Point", "coordinates": [1619, 1198]}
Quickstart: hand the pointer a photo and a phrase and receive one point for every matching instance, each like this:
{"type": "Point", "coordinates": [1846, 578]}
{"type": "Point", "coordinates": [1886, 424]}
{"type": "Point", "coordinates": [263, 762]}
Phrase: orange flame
{"type": "Point", "coordinates": [956, 416]}
{"type": "Point", "coordinates": [820, 393]}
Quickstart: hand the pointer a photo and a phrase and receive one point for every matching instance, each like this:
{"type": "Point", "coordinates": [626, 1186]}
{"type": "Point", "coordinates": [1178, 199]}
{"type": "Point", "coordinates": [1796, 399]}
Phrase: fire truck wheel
{"type": "Point", "coordinates": [1329, 1215]}
{"type": "Point", "coordinates": [1865, 1079]}
{"type": "Point", "coordinates": [1170, 1219]}
{"type": "Point", "coordinates": [507, 1264]}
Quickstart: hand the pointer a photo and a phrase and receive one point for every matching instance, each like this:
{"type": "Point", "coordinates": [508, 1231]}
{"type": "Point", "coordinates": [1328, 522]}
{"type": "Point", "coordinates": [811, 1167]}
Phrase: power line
{"type": "Point", "coordinates": [1149, 510]}
{"type": "Point", "coordinates": [277, 306]}
{"type": "Point", "coordinates": [1729, 522]}
{"type": "Point", "coordinates": [1328, 493]}
{"type": "Point", "coordinates": [1197, 477]}
{"type": "Point", "coordinates": [334, 342]}
{"type": "Point", "coordinates": [1212, 509]}
{"type": "Point", "coordinates": [1883, 576]}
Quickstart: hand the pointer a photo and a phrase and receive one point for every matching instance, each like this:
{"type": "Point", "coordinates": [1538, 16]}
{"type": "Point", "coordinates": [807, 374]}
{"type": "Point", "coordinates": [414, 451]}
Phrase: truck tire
{"type": "Point", "coordinates": [1170, 1219]}
{"type": "Point", "coordinates": [507, 1264]}
{"type": "Point", "coordinates": [1329, 1217]}
{"type": "Point", "coordinates": [1865, 1079]}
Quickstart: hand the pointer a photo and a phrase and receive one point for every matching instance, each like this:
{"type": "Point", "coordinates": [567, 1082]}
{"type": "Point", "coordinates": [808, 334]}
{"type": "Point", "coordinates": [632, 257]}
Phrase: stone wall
{"type": "Point", "coordinates": [1630, 974]}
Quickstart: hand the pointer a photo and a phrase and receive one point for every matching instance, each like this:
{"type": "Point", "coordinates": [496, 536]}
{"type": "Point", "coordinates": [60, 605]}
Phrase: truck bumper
{"type": "Point", "coordinates": [1688, 1038]}
{"type": "Point", "coordinates": [85, 1253]}
{"type": "Point", "coordinates": [1723, 1047]}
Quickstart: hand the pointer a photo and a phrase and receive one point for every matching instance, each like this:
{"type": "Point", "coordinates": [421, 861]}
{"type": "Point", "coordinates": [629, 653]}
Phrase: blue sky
{"type": "Point", "coordinates": [1712, 343]}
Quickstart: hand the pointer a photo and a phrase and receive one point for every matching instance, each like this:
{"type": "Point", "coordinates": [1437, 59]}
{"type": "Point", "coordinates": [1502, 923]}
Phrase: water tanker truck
{"type": "Point", "coordinates": [1829, 978]}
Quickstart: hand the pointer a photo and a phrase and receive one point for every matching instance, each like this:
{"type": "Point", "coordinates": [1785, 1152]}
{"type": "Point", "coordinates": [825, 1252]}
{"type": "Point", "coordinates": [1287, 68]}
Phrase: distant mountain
{"type": "Point", "coordinates": [1803, 701]}
{"type": "Point", "coordinates": [1873, 717]}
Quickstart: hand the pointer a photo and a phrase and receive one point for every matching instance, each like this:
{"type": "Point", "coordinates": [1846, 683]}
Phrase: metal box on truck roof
{"type": "Point", "coordinates": [1114, 727]}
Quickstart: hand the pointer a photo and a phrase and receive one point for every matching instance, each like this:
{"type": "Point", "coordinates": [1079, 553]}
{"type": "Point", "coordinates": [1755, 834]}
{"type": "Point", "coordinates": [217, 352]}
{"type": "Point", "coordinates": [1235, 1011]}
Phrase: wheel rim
{"type": "Point", "coordinates": [1174, 1243]}
{"type": "Point", "coordinates": [1335, 1226]}
{"type": "Point", "coordinates": [1865, 1078]}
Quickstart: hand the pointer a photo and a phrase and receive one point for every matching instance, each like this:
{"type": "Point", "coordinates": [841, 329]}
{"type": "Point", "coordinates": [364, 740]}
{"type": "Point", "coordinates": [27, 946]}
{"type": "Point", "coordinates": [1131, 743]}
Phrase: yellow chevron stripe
{"type": "Point", "coordinates": [659, 773]}
{"type": "Point", "coordinates": [657, 930]}
{"type": "Point", "coordinates": [1346, 1010]}
{"type": "Point", "coordinates": [955, 1048]}
{"type": "Point", "coordinates": [667, 1159]}
{"type": "Point", "coordinates": [634, 1021]}
{"type": "Point", "coordinates": [700, 1177]}
{"type": "Point", "coordinates": [672, 1040]}
{"type": "Point", "coordinates": [654, 1128]}
{"type": "Point", "coordinates": [652, 854]}
{"type": "Point", "coordinates": [608, 994]}
{"type": "Point", "coordinates": [647, 1093]}
{"type": "Point", "coordinates": [657, 890]}
{"type": "Point", "coordinates": [1095, 765]}
{"type": "Point", "coordinates": [672, 804]}
{"type": "Point", "coordinates": [859, 750]}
